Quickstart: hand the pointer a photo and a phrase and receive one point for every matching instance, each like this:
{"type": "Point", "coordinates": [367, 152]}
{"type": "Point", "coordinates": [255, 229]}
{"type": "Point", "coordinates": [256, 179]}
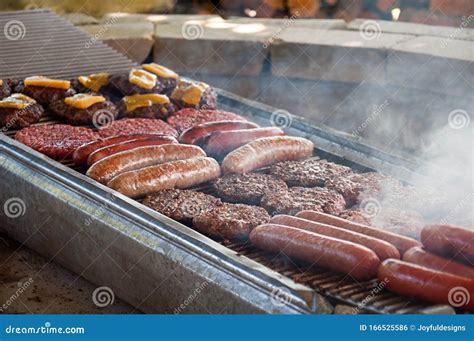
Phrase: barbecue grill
{"type": "Point", "coordinates": [149, 260]}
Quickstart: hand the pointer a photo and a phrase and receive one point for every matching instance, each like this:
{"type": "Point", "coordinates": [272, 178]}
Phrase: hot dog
{"type": "Point", "coordinates": [82, 153]}
{"type": "Point", "coordinates": [434, 286]}
{"type": "Point", "coordinates": [381, 248]}
{"type": "Point", "coordinates": [191, 135]}
{"type": "Point", "coordinates": [402, 243]}
{"type": "Point", "coordinates": [220, 143]}
{"type": "Point", "coordinates": [355, 260]}
{"type": "Point", "coordinates": [266, 151]}
{"type": "Point", "coordinates": [450, 241]}
{"type": "Point", "coordinates": [113, 165]}
{"type": "Point", "coordinates": [176, 174]}
{"type": "Point", "coordinates": [419, 256]}
{"type": "Point", "coordinates": [101, 153]}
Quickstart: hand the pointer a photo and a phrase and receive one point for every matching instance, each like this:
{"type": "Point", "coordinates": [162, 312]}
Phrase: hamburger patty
{"type": "Point", "coordinates": [187, 118]}
{"type": "Point", "coordinates": [92, 115]}
{"type": "Point", "coordinates": [19, 118]}
{"type": "Point", "coordinates": [131, 126]}
{"type": "Point", "coordinates": [357, 186]}
{"type": "Point", "coordinates": [405, 222]}
{"type": "Point", "coordinates": [307, 173]}
{"type": "Point", "coordinates": [157, 110]}
{"type": "Point", "coordinates": [181, 205]}
{"type": "Point", "coordinates": [57, 141]}
{"type": "Point", "coordinates": [5, 90]}
{"type": "Point", "coordinates": [247, 188]}
{"type": "Point", "coordinates": [122, 85]}
{"type": "Point", "coordinates": [186, 90]}
{"type": "Point", "coordinates": [296, 199]}
{"type": "Point", "coordinates": [230, 221]}
{"type": "Point", "coordinates": [44, 95]}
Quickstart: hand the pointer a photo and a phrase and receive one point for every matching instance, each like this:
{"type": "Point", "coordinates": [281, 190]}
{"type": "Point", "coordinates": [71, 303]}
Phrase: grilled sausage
{"type": "Point", "coordinates": [109, 167]}
{"type": "Point", "coordinates": [419, 256]}
{"type": "Point", "coordinates": [176, 174]}
{"type": "Point", "coordinates": [434, 286]}
{"type": "Point", "coordinates": [381, 248]}
{"type": "Point", "coordinates": [402, 243]}
{"type": "Point", "coordinates": [220, 143]}
{"type": "Point", "coordinates": [266, 151]}
{"type": "Point", "coordinates": [101, 153]}
{"type": "Point", "coordinates": [449, 241]}
{"type": "Point", "coordinates": [82, 153]}
{"type": "Point", "coordinates": [342, 256]}
{"type": "Point", "coordinates": [191, 135]}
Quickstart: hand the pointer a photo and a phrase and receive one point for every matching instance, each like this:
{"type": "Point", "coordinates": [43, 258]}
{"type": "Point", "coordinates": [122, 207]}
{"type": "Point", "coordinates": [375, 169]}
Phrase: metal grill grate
{"type": "Point", "coordinates": [331, 285]}
{"type": "Point", "coordinates": [38, 42]}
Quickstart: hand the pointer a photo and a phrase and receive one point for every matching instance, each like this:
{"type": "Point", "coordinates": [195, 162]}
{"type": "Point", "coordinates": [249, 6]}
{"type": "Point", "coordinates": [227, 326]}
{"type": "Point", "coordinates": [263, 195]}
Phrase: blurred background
{"type": "Point", "coordinates": [433, 12]}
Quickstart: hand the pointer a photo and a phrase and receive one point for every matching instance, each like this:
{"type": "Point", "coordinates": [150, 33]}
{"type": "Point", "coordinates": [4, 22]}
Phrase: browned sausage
{"type": "Point", "coordinates": [113, 165]}
{"type": "Point", "coordinates": [382, 249]}
{"type": "Point", "coordinates": [419, 256]}
{"type": "Point", "coordinates": [176, 174]}
{"type": "Point", "coordinates": [220, 143]}
{"type": "Point", "coordinates": [82, 153]}
{"type": "Point", "coordinates": [101, 153]}
{"type": "Point", "coordinates": [266, 151]}
{"type": "Point", "coordinates": [430, 285]}
{"type": "Point", "coordinates": [191, 135]}
{"type": "Point", "coordinates": [339, 255]}
{"type": "Point", "coordinates": [402, 243]}
{"type": "Point", "coordinates": [450, 241]}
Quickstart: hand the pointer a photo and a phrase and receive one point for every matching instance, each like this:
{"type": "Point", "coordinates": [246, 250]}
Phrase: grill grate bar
{"type": "Point", "coordinates": [46, 44]}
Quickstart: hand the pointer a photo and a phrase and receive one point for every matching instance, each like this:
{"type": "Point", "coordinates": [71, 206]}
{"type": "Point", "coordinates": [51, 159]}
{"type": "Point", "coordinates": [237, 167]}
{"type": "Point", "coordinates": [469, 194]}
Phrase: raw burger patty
{"type": "Point", "coordinates": [130, 126]}
{"type": "Point", "coordinates": [296, 199]}
{"type": "Point", "coordinates": [230, 221]}
{"type": "Point", "coordinates": [307, 173]}
{"type": "Point", "coordinates": [187, 118]}
{"type": "Point", "coordinates": [57, 141]}
{"type": "Point", "coordinates": [181, 205]}
{"type": "Point", "coordinates": [247, 188]}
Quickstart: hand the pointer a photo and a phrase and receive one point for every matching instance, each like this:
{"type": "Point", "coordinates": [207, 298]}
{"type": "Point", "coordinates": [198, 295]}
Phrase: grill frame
{"type": "Point", "coordinates": [248, 285]}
